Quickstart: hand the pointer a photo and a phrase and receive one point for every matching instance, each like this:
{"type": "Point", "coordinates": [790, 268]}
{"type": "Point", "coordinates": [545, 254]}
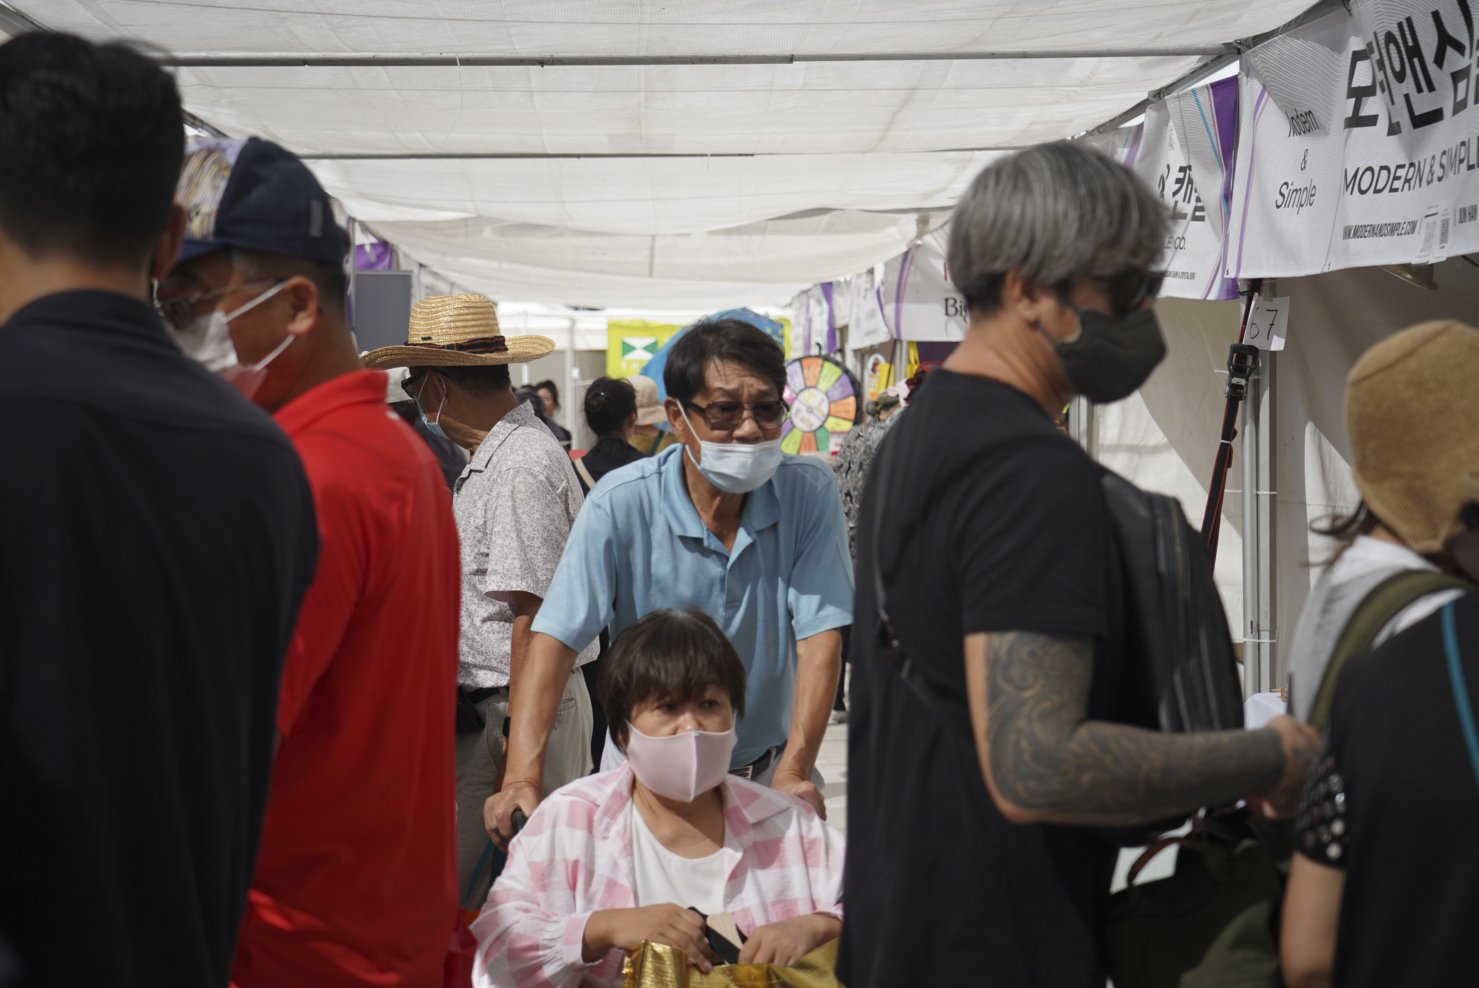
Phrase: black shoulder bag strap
{"type": "Point", "coordinates": [947, 709]}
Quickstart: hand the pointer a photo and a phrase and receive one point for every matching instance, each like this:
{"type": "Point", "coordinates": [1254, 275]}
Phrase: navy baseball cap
{"type": "Point", "coordinates": [256, 195]}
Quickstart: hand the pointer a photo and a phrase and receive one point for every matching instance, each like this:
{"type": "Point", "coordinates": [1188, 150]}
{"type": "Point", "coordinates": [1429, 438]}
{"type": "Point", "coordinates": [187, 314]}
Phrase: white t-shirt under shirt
{"type": "Point", "coordinates": [663, 876]}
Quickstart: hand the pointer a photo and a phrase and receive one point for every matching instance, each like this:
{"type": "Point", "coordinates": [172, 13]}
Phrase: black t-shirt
{"type": "Point", "coordinates": [992, 521]}
{"type": "Point", "coordinates": [1394, 803]}
{"type": "Point", "coordinates": [156, 537]}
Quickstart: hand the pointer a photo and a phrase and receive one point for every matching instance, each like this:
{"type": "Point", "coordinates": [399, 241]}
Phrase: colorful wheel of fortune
{"type": "Point", "coordinates": [824, 405]}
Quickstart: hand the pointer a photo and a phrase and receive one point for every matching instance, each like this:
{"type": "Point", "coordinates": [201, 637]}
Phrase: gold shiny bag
{"type": "Point", "coordinates": [656, 965]}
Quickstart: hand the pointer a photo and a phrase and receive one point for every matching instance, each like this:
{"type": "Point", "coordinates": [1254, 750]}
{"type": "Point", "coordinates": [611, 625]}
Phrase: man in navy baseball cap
{"type": "Point", "coordinates": [262, 265]}
{"type": "Point", "coordinates": [358, 848]}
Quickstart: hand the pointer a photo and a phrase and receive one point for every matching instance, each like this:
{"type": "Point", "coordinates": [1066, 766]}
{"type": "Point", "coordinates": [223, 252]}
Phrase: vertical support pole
{"type": "Point", "coordinates": [1254, 636]}
{"type": "Point", "coordinates": [524, 367]}
{"type": "Point", "coordinates": [568, 388]}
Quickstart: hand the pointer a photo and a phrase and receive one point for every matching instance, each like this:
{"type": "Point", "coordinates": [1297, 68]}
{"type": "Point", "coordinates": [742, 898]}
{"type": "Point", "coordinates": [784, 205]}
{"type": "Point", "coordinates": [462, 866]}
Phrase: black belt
{"type": "Point", "coordinates": [759, 765]}
{"type": "Point", "coordinates": [479, 695]}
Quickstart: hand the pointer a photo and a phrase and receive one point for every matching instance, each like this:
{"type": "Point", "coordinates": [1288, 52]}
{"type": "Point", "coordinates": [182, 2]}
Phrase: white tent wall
{"type": "Point", "coordinates": [1165, 436]}
{"type": "Point", "coordinates": [573, 377]}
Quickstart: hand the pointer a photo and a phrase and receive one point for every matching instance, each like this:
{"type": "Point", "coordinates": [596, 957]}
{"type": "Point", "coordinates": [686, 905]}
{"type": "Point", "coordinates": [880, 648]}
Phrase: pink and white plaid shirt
{"type": "Point", "coordinates": [574, 857]}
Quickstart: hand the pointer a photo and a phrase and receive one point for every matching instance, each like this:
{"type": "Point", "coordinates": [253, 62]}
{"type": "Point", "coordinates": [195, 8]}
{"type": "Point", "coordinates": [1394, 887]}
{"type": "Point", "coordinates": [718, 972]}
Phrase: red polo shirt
{"type": "Point", "coordinates": [356, 879]}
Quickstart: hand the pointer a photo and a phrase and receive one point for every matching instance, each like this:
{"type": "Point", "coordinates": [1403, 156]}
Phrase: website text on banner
{"type": "Point", "coordinates": [1360, 142]}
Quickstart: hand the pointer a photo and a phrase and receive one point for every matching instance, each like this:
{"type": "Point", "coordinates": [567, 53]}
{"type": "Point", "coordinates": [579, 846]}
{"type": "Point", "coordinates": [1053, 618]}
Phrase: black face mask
{"type": "Point", "coordinates": [1112, 355]}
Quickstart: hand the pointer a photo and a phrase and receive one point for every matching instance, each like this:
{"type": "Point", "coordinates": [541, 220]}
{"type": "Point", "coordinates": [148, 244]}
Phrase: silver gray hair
{"type": "Point", "coordinates": [1056, 212]}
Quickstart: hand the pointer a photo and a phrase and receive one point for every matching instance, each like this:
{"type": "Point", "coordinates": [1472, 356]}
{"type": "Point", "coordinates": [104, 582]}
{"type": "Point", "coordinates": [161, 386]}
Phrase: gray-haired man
{"type": "Point", "coordinates": [996, 557]}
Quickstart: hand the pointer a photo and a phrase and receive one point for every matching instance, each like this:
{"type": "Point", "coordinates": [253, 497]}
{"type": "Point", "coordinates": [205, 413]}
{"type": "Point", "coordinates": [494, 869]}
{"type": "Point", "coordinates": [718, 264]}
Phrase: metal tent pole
{"type": "Point", "coordinates": [1259, 667]}
{"type": "Point", "coordinates": [1252, 647]}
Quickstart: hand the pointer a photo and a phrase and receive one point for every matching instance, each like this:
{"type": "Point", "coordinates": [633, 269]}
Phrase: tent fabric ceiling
{"type": "Point", "coordinates": [648, 196]}
{"type": "Point", "coordinates": [838, 108]}
{"type": "Point", "coordinates": [873, 132]}
{"type": "Point", "coordinates": [664, 27]}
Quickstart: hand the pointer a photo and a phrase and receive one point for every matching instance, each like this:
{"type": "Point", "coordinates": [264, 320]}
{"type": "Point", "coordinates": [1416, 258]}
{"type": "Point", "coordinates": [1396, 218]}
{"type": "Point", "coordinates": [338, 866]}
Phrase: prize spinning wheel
{"type": "Point", "coordinates": [824, 405]}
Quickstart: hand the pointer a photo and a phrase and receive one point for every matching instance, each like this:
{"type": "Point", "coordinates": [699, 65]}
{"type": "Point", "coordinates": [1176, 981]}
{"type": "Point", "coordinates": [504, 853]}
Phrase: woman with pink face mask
{"type": "Point", "coordinates": [646, 851]}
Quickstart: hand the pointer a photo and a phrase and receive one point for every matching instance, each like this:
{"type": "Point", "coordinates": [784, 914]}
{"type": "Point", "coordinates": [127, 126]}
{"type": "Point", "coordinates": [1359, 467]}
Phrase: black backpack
{"type": "Point", "coordinates": [1177, 639]}
{"type": "Point", "coordinates": [1179, 652]}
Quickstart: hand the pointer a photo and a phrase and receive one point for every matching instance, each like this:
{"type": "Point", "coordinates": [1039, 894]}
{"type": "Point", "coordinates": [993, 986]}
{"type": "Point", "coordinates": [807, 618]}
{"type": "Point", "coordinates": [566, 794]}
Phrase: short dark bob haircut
{"type": "Point", "coordinates": [667, 655]}
{"type": "Point", "coordinates": [721, 341]}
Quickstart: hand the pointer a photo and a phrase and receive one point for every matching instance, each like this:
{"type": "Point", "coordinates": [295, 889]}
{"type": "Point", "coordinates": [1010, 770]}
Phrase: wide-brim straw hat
{"type": "Point", "coordinates": [1412, 414]}
{"type": "Point", "coordinates": [458, 331]}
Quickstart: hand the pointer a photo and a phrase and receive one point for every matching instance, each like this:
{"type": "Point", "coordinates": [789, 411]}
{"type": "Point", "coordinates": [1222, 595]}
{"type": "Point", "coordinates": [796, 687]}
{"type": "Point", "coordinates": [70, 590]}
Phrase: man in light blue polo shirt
{"type": "Point", "coordinates": [724, 523]}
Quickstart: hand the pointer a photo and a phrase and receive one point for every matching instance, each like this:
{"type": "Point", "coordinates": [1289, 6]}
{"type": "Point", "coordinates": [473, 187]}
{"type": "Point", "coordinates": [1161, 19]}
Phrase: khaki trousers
{"type": "Point", "coordinates": [480, 771]}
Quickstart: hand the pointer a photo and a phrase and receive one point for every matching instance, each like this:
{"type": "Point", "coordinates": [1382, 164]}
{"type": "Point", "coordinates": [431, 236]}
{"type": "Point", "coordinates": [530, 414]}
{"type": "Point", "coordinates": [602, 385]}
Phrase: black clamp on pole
{"type": "Point", "coordinates": [1242, 362]}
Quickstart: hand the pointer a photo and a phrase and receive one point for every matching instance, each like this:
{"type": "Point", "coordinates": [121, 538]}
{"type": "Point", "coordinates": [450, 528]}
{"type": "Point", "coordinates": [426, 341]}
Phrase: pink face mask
{"type": "Point", "coordinates": [680, 766]}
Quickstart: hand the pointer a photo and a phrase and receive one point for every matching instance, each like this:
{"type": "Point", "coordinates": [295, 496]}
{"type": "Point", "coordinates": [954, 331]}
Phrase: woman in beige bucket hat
{"type": "Point", "coordinates": [1412, 417]}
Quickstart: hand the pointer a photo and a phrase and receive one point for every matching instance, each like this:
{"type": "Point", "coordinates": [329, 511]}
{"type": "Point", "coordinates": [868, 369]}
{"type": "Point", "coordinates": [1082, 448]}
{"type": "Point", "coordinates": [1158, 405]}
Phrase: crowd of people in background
{"type": "Point", "coordinates": [298, 645]}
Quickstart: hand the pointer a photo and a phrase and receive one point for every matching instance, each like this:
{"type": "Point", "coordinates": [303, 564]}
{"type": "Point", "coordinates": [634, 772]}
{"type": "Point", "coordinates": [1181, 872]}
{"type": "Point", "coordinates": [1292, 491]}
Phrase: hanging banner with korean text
{"type": "Point", "coordinates": [1360, 142]}
{"type": "Point", "coordinates": [1184, 150]}
{"type": "Point", "coordinates": [1186, 155]}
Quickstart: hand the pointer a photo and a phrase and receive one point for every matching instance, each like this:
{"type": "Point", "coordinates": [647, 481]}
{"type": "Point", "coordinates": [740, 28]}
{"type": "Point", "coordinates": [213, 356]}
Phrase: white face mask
{"type": "Point", "coordinates": [735, 468]}
{"type": "Point", "coordinates": [680, 766]}
{"type": "Point", "coordinates": [207, 340]}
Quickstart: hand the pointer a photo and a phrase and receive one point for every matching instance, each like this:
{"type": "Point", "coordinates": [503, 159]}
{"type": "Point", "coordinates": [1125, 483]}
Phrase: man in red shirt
{"type": "Point", "coordinates": [355, 883]}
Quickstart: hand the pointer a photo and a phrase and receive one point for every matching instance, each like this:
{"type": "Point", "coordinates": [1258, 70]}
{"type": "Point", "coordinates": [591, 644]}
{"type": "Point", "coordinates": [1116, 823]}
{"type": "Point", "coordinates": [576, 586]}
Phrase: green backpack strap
{"type": "Point", "coordinates": [1386, 600]}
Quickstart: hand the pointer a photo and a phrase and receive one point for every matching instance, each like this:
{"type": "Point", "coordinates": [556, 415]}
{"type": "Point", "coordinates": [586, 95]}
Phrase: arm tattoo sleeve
{"type": "Point", "coordinates": [1048, 759]}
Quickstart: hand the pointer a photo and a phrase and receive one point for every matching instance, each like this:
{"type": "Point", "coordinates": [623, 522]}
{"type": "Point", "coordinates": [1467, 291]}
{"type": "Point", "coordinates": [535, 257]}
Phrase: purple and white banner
{"type": "Point", "coordinates": [919, 302]}
{"type": "Point", "coordinates": [1360, 142]}
{"type": "Point", "coordinates": [1184, 151]}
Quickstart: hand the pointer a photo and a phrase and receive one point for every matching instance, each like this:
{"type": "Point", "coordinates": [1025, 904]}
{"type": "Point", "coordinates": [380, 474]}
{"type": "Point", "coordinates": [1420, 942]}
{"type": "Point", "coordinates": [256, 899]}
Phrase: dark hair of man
{"type": "Point", "coordinates": [330, 279]}
{"type": "Point", "coordinates": [91, 140]}
{"type": "Point", "coordinates": [551, 387]}
{"type": "Point", "coordinates": [721, 341]}
{"type": "Point", "coordinates": [609, 403]}
{"type": "Point", "coordinates": [483, 380]}
{"type": "Point", "coordinates": [667, 656]}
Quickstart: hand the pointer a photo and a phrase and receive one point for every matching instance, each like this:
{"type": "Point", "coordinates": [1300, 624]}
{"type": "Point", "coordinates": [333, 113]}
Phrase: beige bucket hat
{"type": "Point", "coordinates": [649, 407]}
{"type": "Point", "coordinates": [458, 331]}
{"type": "Point", "coordinates": [1412, 414]}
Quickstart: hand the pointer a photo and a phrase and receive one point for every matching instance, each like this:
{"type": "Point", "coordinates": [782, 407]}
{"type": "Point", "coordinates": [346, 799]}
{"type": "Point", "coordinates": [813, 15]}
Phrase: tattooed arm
{"type": "Point", "coordinates": [1046, 762]}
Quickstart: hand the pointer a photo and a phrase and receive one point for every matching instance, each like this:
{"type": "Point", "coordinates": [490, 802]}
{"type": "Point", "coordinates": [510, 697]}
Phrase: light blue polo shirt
{"type": "Point", "coordinates": [639, 545]}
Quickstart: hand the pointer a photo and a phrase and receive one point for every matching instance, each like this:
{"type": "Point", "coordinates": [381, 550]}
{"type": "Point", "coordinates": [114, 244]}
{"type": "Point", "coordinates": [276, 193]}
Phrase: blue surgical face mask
{"type": "Point", "coordinates": [735, 468]}
{"type": "Point", "coordinates": [433, 426]}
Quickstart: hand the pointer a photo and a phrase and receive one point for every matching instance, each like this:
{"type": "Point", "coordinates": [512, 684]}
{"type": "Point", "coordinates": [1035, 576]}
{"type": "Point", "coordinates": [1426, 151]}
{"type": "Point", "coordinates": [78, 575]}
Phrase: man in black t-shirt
{"type": "Point", "coordinates": [156, 537]}
{"type": "Point", "coordinates": [969, 858]}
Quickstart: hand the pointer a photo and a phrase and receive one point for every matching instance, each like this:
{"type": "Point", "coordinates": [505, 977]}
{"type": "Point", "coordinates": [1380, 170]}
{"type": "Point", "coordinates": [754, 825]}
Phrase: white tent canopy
{"type": "Point", "coordinates": [661, 153]}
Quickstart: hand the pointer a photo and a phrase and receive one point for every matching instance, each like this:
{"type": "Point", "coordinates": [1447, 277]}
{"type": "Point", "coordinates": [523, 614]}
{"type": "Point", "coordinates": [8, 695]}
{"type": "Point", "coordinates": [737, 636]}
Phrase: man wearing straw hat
{"type": "Point", "coordinates": [357, 851]}
{"type": "Point", "coordinates": [515, 504]}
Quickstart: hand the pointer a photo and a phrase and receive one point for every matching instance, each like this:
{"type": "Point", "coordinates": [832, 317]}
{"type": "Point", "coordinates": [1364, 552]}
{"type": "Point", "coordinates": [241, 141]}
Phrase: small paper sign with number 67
{"type": "Point", "coordinates": [1268, 325]}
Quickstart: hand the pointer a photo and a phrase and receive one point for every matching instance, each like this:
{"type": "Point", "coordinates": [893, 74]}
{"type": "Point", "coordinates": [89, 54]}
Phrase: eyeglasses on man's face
{"type": "Point", "coordinates": [726, 416]}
